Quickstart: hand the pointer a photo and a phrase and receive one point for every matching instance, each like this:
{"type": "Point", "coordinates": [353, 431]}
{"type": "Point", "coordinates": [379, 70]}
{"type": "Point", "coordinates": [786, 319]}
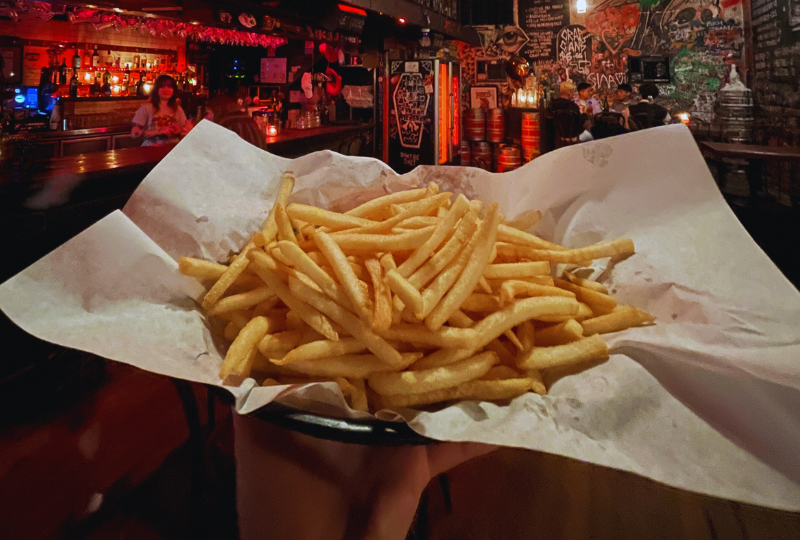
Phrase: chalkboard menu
{"type": "Point", "coordinates": [776, 48]}
{"type": "Point", "coordinates": [541, 20]}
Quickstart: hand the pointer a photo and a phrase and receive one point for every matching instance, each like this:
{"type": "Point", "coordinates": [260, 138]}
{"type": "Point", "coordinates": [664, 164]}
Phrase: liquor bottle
{"type": "Point", "coordinates": [117, 63]}
{"type": "Point", "coordinates": [126, 75]}
{"type": "Point", "coordinates": [76, 60]}
{"type": "Point", "coordinates": [109, 59]}
{"type": "Point", "coordinates": [144, 62]}
{"type": "Point", "coordinates": [155, 64]}
{"type": "Point", "coordinates": [87, 59]}
{"type": "Point", "coordinates": [136, 62]}
{"type": "Point", "coordinates": [63, 71]}
{"type": "Point", "coordinates": [95, 58]}
{"type": "Point", "coordinates": [73, 84]}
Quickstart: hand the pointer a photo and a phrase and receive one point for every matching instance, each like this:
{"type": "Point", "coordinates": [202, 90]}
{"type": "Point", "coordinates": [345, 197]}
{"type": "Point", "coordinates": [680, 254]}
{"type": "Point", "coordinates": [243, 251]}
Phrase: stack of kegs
{"type": "Point", "coordinates": [509, 158]}
{"type": "Point", "coordinates": [530, 136]}
{"type": "Point", "coordinates": [484, 131]}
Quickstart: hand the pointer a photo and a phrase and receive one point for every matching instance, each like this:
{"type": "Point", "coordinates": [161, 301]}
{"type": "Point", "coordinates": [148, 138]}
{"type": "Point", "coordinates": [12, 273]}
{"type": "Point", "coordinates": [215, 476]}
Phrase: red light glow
{"type": "Point", "coordinates": [351, 9]}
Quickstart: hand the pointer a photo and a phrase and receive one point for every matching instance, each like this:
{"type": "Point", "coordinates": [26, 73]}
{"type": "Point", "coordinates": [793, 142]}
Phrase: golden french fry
{"type": "Point", "coordinates": [231, 331]}
{"type": "Point", "coordinates": [387, 200]}
{"type": "Point", "coordinates": [383, 242]}
{"type": "Point", "coordinates": [469, 277]}
{"type": "Point", "coordinates": [509, 234]}
{"type": "Point", "coordinates": [284, 225]}
{"type": "Point", "coordinates": [309, 314]}
{"type": "Point", "coordinates": [235, 269]}
{"type": "Point", "coordinates": [242, 301]}
{"type": "Point", "coordinates": [516, 270]}
{"type": "Point", "coordinates": [584, 312]}
{"type": "Point", "coordinates": [448, 222]}
{"type": "Point", "coordinates": [501, 372]}
{"type": "Point", "coordinates": [414, 209]}
{"type": "Point", "coordinates": [621, 247]}
{"type": "Point", "coordinates": [200, 269]}
{"type": "Point", "coordinates": [359, 400]}
{"type": "Point", "coordinates": [586, 283]}
{"type": "Point", "coordinates": [512, 288]}
{"type": "Point", "coordinates": [620, 318]}
{"type": "Point", "coordinates": [469, 391]}
{"type": "Point", "coordinates": [526, 333]}
{"type": "Point", "coordinates": [537, 382]}
{"type": "Point", "coordinates": [583, 350]}
{"type": "Point", "coordinates": [406, 292]}
{"type": "Point", "coordinates": [416, 382]}
{"type": "Point", "coordinates": [281, 342]}
{"type": "Point", "coordinates": [444, 337]}
{"type": "Point", "coordinates": [307, 266]}
{"type": "Point", "coordinates": [481, 303]}
{"type": "Point", "coordinates": [319, 217]}
{"type": "Point", "coordinates": [599, 303]}
{"type": "Point", "coordinates": [447, 253]}
{"type": "Point", "coordinates": [559, 334]}
{"type": "Point", "coordinates": [243, 346]}
{"type": "Point", "coordinates": [483, 285]}
{"type": "Point", "coordinates": [418, 222]}
{"type": "Point", "coordinates": [382, 318]}
{"type": "Point", "coordinates": [265, 307]}
{"type": "Point", "coordinates": [240, 317]}
{"type": "Point", "coordinates": [347, 277]}
{"type": "Point", "coordinates": [322, 349]}
{"type": "Point", "coordinates": [348, 321]}
{"type": "Point", "coordinates": [270, 228]}
{"type": "Point", "coordinates": [351, 366]}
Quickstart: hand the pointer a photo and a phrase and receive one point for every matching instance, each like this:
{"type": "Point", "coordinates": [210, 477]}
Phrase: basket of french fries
{"type": "Point", "coordinates": [454, 304]}
{"type": "Point", "coordinates": [411, 299]}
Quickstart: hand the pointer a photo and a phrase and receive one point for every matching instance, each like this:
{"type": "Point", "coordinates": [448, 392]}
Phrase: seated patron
{"type": "Point", "coordinates": [586, 100]}
{"type": "Point", "coordinates": [623, 98]}
{"type": "Point", "coordinates": [646, 114]}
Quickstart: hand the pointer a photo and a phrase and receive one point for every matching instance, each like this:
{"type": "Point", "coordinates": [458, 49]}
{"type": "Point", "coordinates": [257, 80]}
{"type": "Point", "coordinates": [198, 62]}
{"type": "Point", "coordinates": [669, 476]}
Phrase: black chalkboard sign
{"type": "Point", "coordinates": [541, 20]}
{"type": "Point", "coordinates": [776, 49]}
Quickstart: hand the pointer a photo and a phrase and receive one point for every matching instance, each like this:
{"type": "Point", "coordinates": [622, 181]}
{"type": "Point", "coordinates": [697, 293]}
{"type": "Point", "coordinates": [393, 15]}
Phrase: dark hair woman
{"type": "Point", "coordinates": [161, 120]}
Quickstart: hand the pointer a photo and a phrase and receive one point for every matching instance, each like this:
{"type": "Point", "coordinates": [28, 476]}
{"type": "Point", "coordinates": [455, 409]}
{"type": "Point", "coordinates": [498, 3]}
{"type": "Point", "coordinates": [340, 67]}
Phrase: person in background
{"type": "Point", "coordinates": [565, 100]}
{"type": "Point", "coordinates": [161, 120]}
{"type": "Point", "coordinates": [623, 98]}
{"type": "Point", "coordinates": [226, 102]}
{"type": "Point", "coordinates": [588, 104]}
{"type": "Point", "coordinates": [647, 114]}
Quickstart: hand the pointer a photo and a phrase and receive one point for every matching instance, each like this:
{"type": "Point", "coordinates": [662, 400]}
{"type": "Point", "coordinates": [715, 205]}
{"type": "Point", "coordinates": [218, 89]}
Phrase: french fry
{"type": "Point", "coordinates": [200, 269]}
{"type": "Point", "coordinates": [242, 301]}
{"type": "Point", "coordinates": [537, 382]}
{"type": "Point", "coordinates": [584, 312]}
{"type": "Point", "coordinates": [501, 372]}
{"type": "Point", "coordinates": [507, 233]}
{"type": "Point", "coordinates": [243, 347]}
{"type": "Point", "coordinates": [497, 284]}
{"type": "Point", "coordinates": [447, 253]}
{"type": "Point", "coordinates": [599, 303]}
{"type": "Point", "coordinates": [309, 314]}
{"type": "Point", "coordinates": [359, 400]}
{"type": "Point", "coordinates": [525, 221]}
{"type": "Point", "coordinates": [526, 333]}
{"type": "Point", "coordinates": [270, 228]}
{"type": "Point", "coordinates": [448, 222]}
{"type": "Point", "coordinates": [235, 269]}
{"type": "Point", "coordinates": [383, 242]}
{"type": "Point", "coordinates": [281, 343]}
{"type": "Point", "coordinates": [319, 217]}
{"type": "Point", "coordinates": [321, 349]}
{"type": "Point", "coordinates": [444, 337]}
{"type": "Point", "coordinates": [559, 334]}
{"type": "Point", "coordinates": [231, 331]}
{"type": "Point", "coordinates": [620, 318]}
{"type": "Point", "coordinates": [416, 382]}
{"type": "Point", "coordinates": [382, 317]}
{"type": "Point", "coordinates": [481, 303]}
{"type": "Point", "coordinates": [586, 283]}
{"type": "Point", "coordinates": [621, 247]}
{"type": "Point", "coordinates": [513, 288]}
{"type": "Point", "coordinates": [284, 225]}
{"type": "Point", "coordinates": [471, 274]}
{"type": "Point", "coordinates": [344, 272]}
{"type": "Point", "coordinates": [387, 200]}
{"type": "Point", "coordinates": [348, 321]}
{"type": "Point", "coordinates": [418, 222]}
{"type": "Point", "coordinates": [468, 391]}
{"type": "Point", "coordinates": [516, 270]}
{"type": "Point", "coordinates": [414, 209]}
{"type": "Point", "coordinates": [307, 266]}
{"type": "Point", "coordinates": [583, 350]}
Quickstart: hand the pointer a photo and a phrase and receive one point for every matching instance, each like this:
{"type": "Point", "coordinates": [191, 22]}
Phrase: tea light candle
{"type": "Point", "coordinates": [272, 131]}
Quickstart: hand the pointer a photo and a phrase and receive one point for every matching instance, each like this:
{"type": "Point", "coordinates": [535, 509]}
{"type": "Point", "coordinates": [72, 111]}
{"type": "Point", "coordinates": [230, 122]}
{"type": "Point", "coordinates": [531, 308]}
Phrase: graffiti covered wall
{"type": "Point", "coordinates": [701, 37]}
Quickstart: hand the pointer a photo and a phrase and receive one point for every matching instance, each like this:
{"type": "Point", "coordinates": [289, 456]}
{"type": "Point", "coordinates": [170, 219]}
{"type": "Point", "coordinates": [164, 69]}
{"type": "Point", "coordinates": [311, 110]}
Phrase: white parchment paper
{"type": "Point", "coordinates": [708, 400]}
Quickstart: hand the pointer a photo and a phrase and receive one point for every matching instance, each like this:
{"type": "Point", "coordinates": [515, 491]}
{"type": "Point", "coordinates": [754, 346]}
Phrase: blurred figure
{"type": "Point", "coordinates": [226, 102]}
{"type": "Point", "coordinates": [623, 98]}
{"type": "Point", "coordinates": [565, 100]}
{"type": "Point", "coordinates": [647, 114]}
{"type": "Point", "coordinates": [588, 104]}
{"type": "Point", "coordinates": [161, 120]}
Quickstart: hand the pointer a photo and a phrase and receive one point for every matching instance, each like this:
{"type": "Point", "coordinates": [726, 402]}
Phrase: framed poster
{"type": "Point", "coordinates": [483, 97]}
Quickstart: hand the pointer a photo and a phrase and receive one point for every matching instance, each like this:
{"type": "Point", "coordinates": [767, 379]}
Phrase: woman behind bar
{"type": "Point", "coordinates": [162, 120]}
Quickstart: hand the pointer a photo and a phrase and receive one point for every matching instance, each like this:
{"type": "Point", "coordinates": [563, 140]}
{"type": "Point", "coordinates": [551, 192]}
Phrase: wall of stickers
{"type": "Point", "coordinates": [700, 37]}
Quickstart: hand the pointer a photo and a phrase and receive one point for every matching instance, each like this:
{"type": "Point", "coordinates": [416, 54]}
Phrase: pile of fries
{"type": "Point", "coordinates": [413, 298]}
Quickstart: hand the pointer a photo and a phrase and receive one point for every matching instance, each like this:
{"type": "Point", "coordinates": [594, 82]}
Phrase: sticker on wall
{"type": "Point", "coordinates": [247, 20]}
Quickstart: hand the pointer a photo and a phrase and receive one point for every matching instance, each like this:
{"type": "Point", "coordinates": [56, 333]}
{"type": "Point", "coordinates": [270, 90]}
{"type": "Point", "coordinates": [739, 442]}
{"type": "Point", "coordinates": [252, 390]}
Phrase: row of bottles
{"type": "Point", "coordinates": [93, 60]}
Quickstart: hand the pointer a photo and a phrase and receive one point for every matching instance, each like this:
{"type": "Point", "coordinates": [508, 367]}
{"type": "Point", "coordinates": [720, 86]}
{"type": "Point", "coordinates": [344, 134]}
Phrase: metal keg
{"type": "Point", "coordinates": [496, 126]}
{"type": "Point", "coordinates": [482, 155]}
{"type": "Point", "coordinates": [475, 125]}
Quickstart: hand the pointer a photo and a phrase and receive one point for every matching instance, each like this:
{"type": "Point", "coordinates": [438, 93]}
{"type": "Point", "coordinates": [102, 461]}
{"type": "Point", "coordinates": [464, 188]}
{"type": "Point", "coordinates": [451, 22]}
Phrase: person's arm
{"type": "Point", "coordinates": [185, 124]}
{"type": "Point", "coordinates": [140, 122]}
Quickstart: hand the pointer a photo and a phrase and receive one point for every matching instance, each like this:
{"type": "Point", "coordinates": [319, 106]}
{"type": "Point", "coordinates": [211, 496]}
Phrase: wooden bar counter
{"type": "Point", "coordinates": [42, 209]}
